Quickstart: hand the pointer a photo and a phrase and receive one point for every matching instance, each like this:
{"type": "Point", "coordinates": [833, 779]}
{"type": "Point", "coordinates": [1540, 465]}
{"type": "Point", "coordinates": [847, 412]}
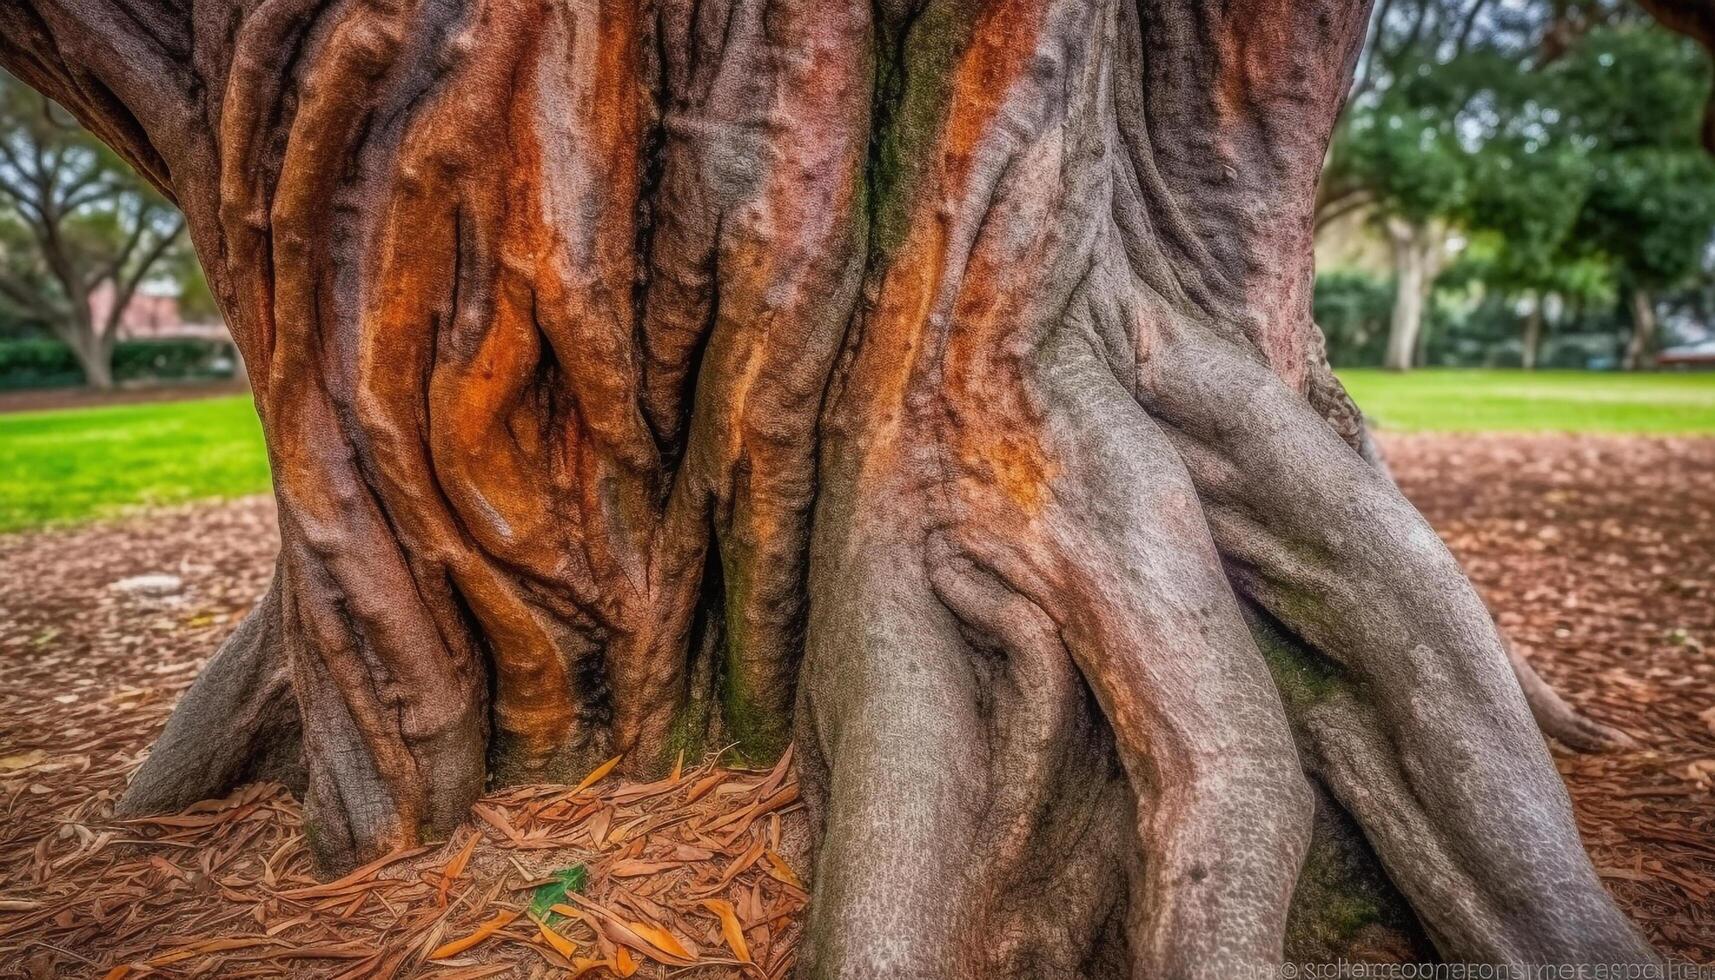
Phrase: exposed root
{"type": "Point", "coordinates": [1420, 728]}
{"type": "Point", "coordinates": [238, 723]}
{"type": "Point", "coordinates": [1557, 719]}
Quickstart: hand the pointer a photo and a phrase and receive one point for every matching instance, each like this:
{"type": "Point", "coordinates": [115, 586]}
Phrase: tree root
{"type": "Point", "coordinates": [238, 723]}
{"type": "Point", "coordinates": [1557, 719]}
{"type": "Point", "coordinates": [1421, 731]}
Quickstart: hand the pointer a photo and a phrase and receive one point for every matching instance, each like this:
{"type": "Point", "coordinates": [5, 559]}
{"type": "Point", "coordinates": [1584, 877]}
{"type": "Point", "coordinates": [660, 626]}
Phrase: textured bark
{"type": "Point", "coordinates": [932, 383]}
{"type": "Point", "coordinates": [238, 723]}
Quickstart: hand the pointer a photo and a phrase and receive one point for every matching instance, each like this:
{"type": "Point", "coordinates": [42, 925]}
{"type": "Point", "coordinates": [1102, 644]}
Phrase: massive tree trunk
{"type": "Point", "coordinates": [933, 383]}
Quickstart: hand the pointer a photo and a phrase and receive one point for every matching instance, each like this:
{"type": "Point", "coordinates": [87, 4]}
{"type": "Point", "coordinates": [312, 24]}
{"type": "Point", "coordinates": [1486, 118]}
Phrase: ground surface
{"type": "Point", "coordinates": [1597, 553]}
{"type": "Point", "coordinates": [1435, 400]}
{"type": "Point", "coordinates": [74, 464]}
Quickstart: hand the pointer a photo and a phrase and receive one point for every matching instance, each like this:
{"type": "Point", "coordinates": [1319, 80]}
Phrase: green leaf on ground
{"type": "Point", "coordinates": [565, 881]}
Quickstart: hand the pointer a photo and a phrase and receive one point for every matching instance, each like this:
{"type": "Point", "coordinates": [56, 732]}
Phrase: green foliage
{"type": "Point", "coordinates": [1634, 97]}
{"type": "Point", "coordinates": [564, 881]}
{"type": "Point", "coordinates": [1560, 141]}
{"type": "Point", "coordinates": [40, 363]}
{"type": "Point", "coordinates": [1633, 85]}
{"type": "Point", "coordinates": [78, 464]}
{"type": "Point", "coordinates": [1653, 215]}
{"type": "Point", "coordinates": [1352, 309]}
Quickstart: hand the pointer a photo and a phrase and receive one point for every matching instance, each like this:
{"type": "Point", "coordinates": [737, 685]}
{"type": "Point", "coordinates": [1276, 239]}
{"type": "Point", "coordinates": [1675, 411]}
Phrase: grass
{"type": "Point", "coordinates": [70, 465]}
{"type": "Point", "coordinates": [1542, 401]}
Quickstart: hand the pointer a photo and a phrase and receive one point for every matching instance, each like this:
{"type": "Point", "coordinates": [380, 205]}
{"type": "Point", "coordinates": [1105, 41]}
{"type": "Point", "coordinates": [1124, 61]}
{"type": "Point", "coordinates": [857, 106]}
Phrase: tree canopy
{"type": "Point", "coordinates": [1560, 141]}
{"type": "Point", "coordinates": [73, 218]}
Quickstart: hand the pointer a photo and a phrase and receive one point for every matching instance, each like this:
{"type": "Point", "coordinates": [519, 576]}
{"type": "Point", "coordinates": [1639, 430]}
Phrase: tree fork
{"type": "Point", "coordinates": [933, 383]}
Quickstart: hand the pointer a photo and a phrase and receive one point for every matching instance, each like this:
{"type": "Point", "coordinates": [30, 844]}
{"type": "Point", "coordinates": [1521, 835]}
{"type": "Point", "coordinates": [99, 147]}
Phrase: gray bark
{"type": "Point", "coordinates": [238, 723]}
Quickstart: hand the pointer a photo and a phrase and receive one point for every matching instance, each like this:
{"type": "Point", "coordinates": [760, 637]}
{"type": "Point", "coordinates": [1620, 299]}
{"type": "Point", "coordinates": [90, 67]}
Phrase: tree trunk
{"type": "Point", "coordinates": [1640, 346]}
{"type": "Point", "coordinates": [1415, 254]}
{"type": "Point", "coordinates": [1531, 342]}
{"type": "Point", "coordinates": [93, 351]}
{"type": "Point", "coordinates": [934, 384]}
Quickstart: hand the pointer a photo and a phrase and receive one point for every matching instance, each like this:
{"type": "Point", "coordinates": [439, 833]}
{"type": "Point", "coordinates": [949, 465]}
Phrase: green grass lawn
{"type": "Point", "coordinates": [72, 465]}
{"type": "Point", "coordinates": [65, 466]}
{"type": "Point", "coordinates": [1517, 401]}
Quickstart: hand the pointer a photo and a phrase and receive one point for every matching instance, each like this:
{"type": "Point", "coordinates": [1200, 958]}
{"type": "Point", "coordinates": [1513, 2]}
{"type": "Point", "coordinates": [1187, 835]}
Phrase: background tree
{"type": "Point", "coordinates": [73, 217]}
{"type": "Point", "coordinates": [1515, 126]}
{"type": "Point", "coordinates": [1528, 186]}
{"type": "Point", "coordinates": [1407, 149]}
{"type": "Point", "coordinates": [932, 384]}
{"type": "Point", "coordinates": [1633, 95]}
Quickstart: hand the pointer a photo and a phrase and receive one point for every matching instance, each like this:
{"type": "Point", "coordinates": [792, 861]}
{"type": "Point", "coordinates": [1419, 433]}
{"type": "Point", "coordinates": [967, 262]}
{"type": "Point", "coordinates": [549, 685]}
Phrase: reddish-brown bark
{"type": "Point", "coordinates": [932, 382]}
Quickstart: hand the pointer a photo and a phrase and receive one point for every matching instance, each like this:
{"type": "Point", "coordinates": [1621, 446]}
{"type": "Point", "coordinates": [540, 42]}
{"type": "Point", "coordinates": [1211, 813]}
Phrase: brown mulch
{"type": "Point", "coordinates": [1597, 554]}
{"type": "Point", "coordinates": [1598, 557]}
{"type": "Point", "coordinates": [88, 673]}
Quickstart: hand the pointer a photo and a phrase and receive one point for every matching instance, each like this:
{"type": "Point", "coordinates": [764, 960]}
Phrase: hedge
{"type": "Point", "coordinates": [50, 364]}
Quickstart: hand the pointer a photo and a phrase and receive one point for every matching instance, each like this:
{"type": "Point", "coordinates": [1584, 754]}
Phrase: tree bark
{"type": "Point", "coordinates": [934, 384]}
{"type": "Point", "coordinates": [1640, 346]}
{"type": "Point", "coordinates": [1416, 254]}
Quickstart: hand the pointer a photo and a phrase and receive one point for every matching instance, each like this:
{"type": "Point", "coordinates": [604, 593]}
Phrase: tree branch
{"type": "Point", "coordinates": [112, 270]}
{"type": "Point", "coordinates": [26, 296]}
{"type": "Point", "coordinates": [1341, 206]}
{"type": "Point", "coordinates": [125, 288]}
{"type": "Point", "coordinates": [1366, 76]}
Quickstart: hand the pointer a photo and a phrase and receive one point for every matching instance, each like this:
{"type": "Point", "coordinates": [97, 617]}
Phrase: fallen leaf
{"type": "Point", "coordinates": [454, 868]}
{"type": "Point", "coordinates": [565, 947]}
{"type": "Point", "coordinates": [731, 930]}
{"type": "Point", "coordinates": [661, 939]}
{"type": "Point", "coordinates": [596, 775]}
{"type": "Point", "coordinates": [555, 890]}
{"type": "Point", "coordinates": [778, 867]}
{"type": "Point", "coordinates": [22, 760]}
{"type": "Point", "coordinates": [500, 921]}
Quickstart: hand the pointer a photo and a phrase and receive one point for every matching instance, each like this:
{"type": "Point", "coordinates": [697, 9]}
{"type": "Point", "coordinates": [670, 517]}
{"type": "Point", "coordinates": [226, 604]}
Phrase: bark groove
{"type": "Point", "coordinates": [933, 383]}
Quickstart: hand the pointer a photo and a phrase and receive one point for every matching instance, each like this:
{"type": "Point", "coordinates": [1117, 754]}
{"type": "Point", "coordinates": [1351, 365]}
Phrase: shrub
{"type": "Point", "coordinates": [41, 363]}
